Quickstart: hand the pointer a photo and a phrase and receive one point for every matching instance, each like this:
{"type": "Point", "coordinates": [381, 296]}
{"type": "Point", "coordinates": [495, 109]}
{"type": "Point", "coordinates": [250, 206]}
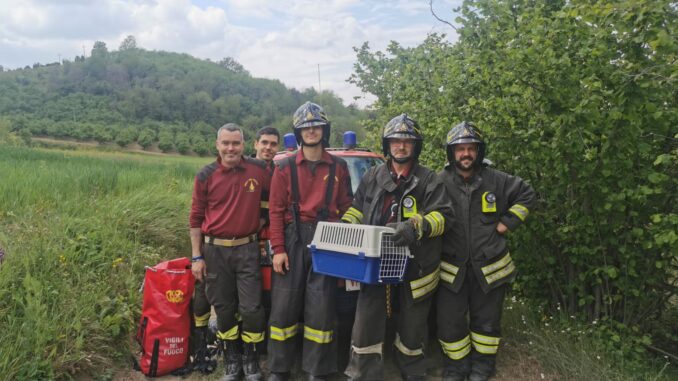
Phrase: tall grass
{"type": "Point", "coordinates": [577, 351]}
{"type": "Point", "coordinates": [78, 230]}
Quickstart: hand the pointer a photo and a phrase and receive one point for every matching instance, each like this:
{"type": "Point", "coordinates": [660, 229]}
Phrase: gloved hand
{"type": "Point", "coordinates": [405, 233]}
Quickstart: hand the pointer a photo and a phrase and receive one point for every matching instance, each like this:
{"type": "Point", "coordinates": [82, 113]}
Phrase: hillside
{"type": "Point", "coordinates": [172, 100]}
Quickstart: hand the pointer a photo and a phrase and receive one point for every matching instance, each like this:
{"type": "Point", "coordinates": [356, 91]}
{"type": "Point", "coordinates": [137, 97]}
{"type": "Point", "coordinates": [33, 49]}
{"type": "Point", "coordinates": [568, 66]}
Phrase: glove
{"type": "Point", "coordinates": [405, 234]}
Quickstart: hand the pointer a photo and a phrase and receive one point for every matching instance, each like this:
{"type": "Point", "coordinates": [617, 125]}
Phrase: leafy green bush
{"type": "Point", "coordinates": [578, 98]}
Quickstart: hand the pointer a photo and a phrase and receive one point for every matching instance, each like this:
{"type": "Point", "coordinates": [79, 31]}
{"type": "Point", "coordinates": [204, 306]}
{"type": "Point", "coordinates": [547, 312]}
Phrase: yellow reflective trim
{"type": "Point", "coordinates": [484, 339]}
{"type": "Point", "coordinates": [355, 212]}
{"type": "Point", "coordinates": [441, 222]}
{"type": "Point", "coordinates": [500, 274]}
{"type": "Point", "coordinates": [318, 336]}
{"type": "Point", "coordinates": [505, 260]}
{"type": "Point", "coordinates": [447, 277]}
{"type": "Point", "coordinates": [251, 337]}
{"type": "Point", "coordinates": [282, 334]}
{"type": "Point", "coordinates": [450, 268]}
{"type": "Point", "coordinates": [263, 204]}
{"type": "Point", "coordinates": [405, 350]}
{"type": "Point", "coordinates": [231, 334]}
{"type": "Point", "coordinates": [418, 293]}
{"type": "Point", "coordinates": [201, 321]}
{"type": "Point", "coordinates": [352, 215]}
{"type": "Point", "coordinates": [424, 280]}
{"type": "Point", "coordinates": [458, 349]}
{"type": "Point", "coordinates": [485, 349]}
{"type": "Point", "coordinates": [520, 211]}
{"type": "Point", "coordinates": [437, 223]}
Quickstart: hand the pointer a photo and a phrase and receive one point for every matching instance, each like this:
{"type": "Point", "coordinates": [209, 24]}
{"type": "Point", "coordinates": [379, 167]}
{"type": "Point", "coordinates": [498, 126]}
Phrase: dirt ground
{"type": "Point", "coordinates": [513, 363]}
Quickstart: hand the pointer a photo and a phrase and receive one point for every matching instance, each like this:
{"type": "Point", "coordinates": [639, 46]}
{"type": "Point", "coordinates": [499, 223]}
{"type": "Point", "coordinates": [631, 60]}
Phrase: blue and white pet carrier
{"type": "Point", "coordinates": [362, 253]}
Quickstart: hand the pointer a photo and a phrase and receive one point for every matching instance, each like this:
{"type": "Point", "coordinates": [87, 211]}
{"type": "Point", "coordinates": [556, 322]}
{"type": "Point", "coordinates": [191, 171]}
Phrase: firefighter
{"type": "Point", "coordinates": [307, 187]}
{"type": "Point", "coordinates": [476, 265]}
{"type": "Point", "coordinates": [225, 216]}
{"type": "Point", "coordinates": [405, 195]}
{"type": "Point", "coordinates": [266, 143]}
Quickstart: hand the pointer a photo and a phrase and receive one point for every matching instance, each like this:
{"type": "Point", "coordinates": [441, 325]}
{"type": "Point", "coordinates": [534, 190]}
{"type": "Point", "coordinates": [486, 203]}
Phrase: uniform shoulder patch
{"type": "Point", "coordinates": [207, 171]}
{"type": "Point", "coordinates": [255, 161]}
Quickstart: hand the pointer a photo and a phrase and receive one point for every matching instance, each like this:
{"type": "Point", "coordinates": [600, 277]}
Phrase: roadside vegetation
{"type": "Point", "coordinates": [77, 230]}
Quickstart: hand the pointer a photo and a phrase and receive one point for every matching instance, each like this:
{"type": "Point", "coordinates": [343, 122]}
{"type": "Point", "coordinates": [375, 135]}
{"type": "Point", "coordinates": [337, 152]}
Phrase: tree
{"type": "Point", "coordinates": [129, 43]}
{"type": "Point", "coordinates": [146, 138]}
{"type": "Point", "coordinates": [231, 64]}
{"type": "Point", "coordinates": [579, 98]}
{"type": "Point", "coordinates": [99, 49]}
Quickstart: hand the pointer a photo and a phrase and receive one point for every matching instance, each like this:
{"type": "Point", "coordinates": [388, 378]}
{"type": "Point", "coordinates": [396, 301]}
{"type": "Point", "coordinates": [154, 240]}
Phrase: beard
{"type": "Point", "coordinates": [459, 165]}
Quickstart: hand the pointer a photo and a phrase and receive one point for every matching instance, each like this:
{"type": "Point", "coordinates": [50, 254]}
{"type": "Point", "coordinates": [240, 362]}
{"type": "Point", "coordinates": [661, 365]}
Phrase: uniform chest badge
{"type": "Point", "coordinates": [251, 185]}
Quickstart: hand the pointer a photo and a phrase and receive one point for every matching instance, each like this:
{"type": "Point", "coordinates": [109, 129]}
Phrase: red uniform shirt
{"type": "Point", "coordinates": [312, 189]}
{"type": "Point", "coordinates": [227, 202]}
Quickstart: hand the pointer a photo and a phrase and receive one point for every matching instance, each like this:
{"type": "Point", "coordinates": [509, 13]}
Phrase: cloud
{"type": "Point", "coordinates": [284, 40]}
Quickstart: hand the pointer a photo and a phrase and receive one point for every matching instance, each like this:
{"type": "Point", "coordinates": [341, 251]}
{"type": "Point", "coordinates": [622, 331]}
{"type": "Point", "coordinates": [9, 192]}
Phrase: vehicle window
{"type": "Point", "coordinates": [357, 166]}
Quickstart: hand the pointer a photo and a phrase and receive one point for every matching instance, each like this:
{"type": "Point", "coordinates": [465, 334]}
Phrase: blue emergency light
{"type": "Point", "coordinates": [290, 142]}
{"type": "Point", "coordinates": [350, 140]}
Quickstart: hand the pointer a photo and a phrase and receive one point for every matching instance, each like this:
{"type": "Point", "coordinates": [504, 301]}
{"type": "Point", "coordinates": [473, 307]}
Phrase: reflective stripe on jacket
{"type": "Point", "coordinates": [490, 197]}
{"type": "Point", "coordinates": [428, 194]}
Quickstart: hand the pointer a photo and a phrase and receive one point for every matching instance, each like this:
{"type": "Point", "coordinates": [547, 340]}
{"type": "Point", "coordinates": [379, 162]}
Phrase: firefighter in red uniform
{"type": "Point", "coordinates": [225, 217]}
{"type": "Point", "coordinates": [307, 187]}
{"type": "Point", "coordinates": [407, 196]}
{"type": "Point", "coordinates": [476, 265]}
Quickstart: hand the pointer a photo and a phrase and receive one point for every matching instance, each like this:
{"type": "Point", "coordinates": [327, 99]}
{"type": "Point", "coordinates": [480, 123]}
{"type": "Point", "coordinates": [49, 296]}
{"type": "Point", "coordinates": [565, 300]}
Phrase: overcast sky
{"type": "Point", "coordinates": [284, 39]}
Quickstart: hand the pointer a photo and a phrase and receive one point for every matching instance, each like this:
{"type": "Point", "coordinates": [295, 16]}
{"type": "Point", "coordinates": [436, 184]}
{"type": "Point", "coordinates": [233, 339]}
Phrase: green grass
{"type": "Point", "coordinates": [577, 351]}
{"type": "Point", "coordinates": [78, 229]}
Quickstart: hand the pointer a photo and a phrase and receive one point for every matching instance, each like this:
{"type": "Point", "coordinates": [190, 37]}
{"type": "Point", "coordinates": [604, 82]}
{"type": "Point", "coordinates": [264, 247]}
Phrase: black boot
{"type": "Point", "coordinates": [232, 361]}
{"type": "Point", "coordinates": [202, 357]}
{"type": "Point", "coordinates": [250, 362]}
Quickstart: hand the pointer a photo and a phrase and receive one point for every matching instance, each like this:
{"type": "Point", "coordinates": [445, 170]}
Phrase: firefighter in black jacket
{"type": "Point", "coordinates": [409, 197]}
{"type": "Point", "coordinates": [476, 264]}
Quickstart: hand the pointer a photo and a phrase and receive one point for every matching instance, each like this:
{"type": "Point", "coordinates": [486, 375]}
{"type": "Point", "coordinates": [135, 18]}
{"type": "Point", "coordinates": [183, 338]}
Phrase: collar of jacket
{"type": "Point", "coordinates": [386, 182]}
{"type": "Point", "coordinates": [325, 157]}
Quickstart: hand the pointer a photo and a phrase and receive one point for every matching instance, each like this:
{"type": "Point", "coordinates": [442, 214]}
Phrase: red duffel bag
{"type": "Point", "coordinates": [165, 323]}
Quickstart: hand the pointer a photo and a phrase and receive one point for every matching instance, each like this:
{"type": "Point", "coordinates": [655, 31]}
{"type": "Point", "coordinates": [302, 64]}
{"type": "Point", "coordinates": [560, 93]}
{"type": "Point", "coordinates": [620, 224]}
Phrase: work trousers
{"type": "Point", "coordinates": [366, 360]}
{"type": "Point", "coordinates": [470, 343]}
{"type": "Point", "coordinates": [201, 307]}
{"type": "Point", "coordinates": [302, 299]}
{"type": "Point", "coordinates": [233, 284]}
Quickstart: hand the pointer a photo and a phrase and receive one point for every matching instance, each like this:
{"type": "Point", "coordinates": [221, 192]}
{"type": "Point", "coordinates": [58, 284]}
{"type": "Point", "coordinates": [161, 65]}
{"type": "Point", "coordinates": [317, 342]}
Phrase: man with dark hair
{"type": "Point", "coordinates": [476, 266]}
{"type": "Point", "coordinates": [407, 196]}
{"type": "Point", "coordinates": [224, 220]}
{"type": "Point", "coordinates": [266, 144]}
{"type": "Point", "coordinates": [307, 187]}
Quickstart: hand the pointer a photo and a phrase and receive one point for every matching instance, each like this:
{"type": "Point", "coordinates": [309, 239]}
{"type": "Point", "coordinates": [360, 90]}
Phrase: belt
{"type": "Point", "coordinates": [230, 242]}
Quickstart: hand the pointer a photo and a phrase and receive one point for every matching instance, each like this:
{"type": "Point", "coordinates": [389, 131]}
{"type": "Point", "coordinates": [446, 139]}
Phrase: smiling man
{"type": "Point", "coordinates": [226, 215]}
{"type": "Point", "coordinates": [476, 265]}
{"type": "Point", "coordinates": [266, 145]}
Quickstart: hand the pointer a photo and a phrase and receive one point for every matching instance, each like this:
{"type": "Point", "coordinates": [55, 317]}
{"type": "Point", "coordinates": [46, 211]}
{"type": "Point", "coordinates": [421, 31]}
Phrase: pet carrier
{"type": "Point", "coordinates": [363, 253]}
